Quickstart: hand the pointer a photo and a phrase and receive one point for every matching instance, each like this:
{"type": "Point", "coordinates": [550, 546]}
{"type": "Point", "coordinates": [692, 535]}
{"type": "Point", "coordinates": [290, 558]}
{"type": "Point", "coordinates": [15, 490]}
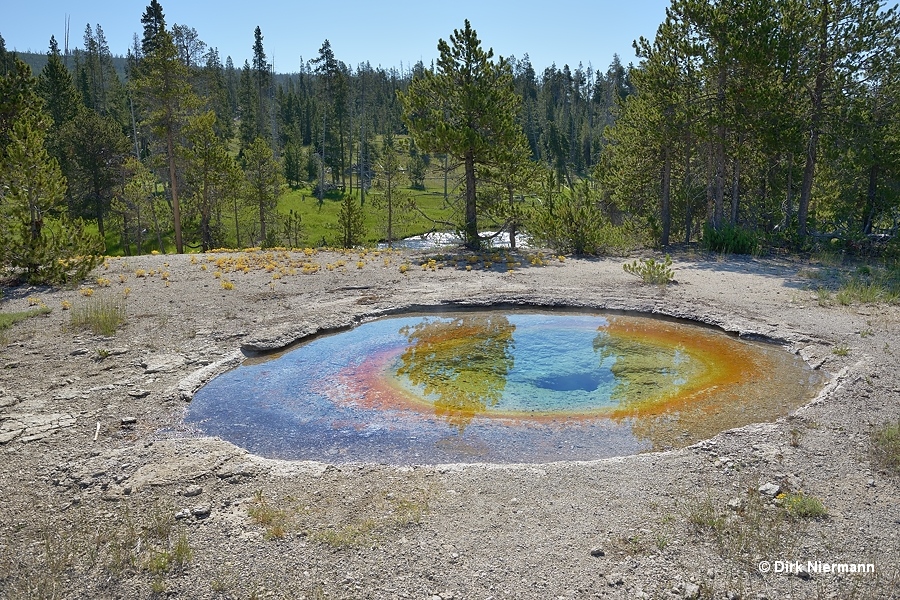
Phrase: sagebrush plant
{"type": "Point", "coordinates": [101, 315]}
{"type": "Point", "coordinates": [651, 271]}
{"type": "Point", "coordinates": [802, 506]}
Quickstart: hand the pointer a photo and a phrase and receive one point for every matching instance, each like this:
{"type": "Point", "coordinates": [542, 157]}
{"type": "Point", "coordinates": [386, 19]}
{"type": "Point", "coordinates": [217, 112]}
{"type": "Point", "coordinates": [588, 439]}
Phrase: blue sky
{"type": "Point", "coordinates": [384, 33]}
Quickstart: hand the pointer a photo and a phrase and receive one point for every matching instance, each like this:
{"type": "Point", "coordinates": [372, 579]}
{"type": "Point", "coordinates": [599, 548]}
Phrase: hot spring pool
{"type": "Point", "coordinates": [500, 386]}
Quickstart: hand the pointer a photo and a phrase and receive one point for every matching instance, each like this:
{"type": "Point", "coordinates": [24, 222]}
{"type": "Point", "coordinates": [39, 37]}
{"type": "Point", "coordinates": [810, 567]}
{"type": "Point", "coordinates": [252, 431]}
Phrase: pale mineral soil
{"type": "Point", "coordinates": [105, 494]}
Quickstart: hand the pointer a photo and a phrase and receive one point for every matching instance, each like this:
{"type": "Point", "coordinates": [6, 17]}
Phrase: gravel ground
{"type": "Point", "coordinates": [106, 494]}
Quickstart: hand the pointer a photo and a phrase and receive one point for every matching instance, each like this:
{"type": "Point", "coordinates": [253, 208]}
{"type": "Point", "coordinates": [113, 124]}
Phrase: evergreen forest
{"type": "Point", "coordinates": [744, 127]}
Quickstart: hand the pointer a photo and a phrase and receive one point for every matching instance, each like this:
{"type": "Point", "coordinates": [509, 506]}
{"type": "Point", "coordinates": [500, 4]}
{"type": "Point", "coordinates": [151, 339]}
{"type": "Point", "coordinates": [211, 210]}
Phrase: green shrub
{"type": "Point", "coordinates": [569, 224]}
{"type": "Point", "coordinates": [650, 271]}
{"type": "Point", "coordinates": [730, 239]}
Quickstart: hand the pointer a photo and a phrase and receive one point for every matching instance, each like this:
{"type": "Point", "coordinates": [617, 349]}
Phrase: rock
{"type": "Point", "coordinates": [184, 513]}
{"type": "Point", "coordinates": [117, 351]}
{"type": "Point", "coordinates": [691, 591]}
{"type": "Point", "coordinates": [78, 352]}
{"type": "Point", "coordinates": [597, 551]}
{"type": "Point", "coordinates": [614, 579]}
{"type": "Point", "coordinates": [138, 393]}
{"type": "Point", "coordinates": [30, 426]}
{"type": "Point", "coordinates": [736, 504]}
{"type": "Point", "coordinates": [813, 355]}
{"type": "Point", "coordinates": [237, 471]}
{"type": "Point", "coordinates": [194, 490]}
{"type": "Point", "coordinates": [70, 394]}
{"type": "Point", "coordinates": [803, 573]}
{"type": "Point", "coordinates": [201, 511]}
{"type": "Point", "coordinates": [164, 363]}
{"type": "Point", "coordinates": [129, 421]}
{"type": "Point", "coordinates": [769, 489]}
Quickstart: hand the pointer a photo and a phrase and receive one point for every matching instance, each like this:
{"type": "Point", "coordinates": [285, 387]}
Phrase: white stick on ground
{"type": "Point", "coordinates": [97, 433]}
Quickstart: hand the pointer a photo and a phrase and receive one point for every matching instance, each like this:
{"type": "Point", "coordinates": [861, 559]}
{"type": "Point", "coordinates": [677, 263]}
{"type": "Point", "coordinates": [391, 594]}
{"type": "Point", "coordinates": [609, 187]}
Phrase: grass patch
{"type": "Point", "coordinates": [102, 315]}
{"type": "Point", "coordinates": [40, 558]}
{"type": "Point", "coordinates": [275, 520]}
{"type": "Point", "coordinates": [351, 535]}
{"type": "Point", "coordinates": [841, 351]}
{"type": "Point", "coordinates": [9, 319]}
{"type": "Point", "coordinates": [886, 446]}
{"type": "Point", "coordinates": [753, 527]}
{"type": "Point", "coordinates": [869, 285]}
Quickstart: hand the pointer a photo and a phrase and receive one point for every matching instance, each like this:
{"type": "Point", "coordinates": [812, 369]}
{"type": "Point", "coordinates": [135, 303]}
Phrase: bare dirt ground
{"type": "Point", "coordinates": [105, 494]}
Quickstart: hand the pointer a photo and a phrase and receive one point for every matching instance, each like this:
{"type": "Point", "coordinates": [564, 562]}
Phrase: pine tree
{"type": "Point", "coordinates": [207, 173]}
{"type": "Point", "coordinates": [154, 22]}
{"type": "Point", "coordinates": [37, 235]}
{"type": "Point", "coordinates": [263, 184]}
{"type": "Point", "coordinates": [168, 100]}
{"type": "Point", "coordinates": [96, 154]}
{"type": "Point", "coordinates": [467, 108]}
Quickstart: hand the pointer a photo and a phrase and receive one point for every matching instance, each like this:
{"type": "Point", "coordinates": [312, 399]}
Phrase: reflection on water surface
{"type": "Point", "coordinates": [513, 386]}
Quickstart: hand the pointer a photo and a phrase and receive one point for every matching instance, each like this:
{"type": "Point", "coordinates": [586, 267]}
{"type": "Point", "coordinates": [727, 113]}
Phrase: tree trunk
{"type": "Point", "coordinates": [173, 185]}
{"type": "Point", "coordinates": [666, 208]}
{"type": "Point", "coordinates": [471, 224]}
{"type": "Point", "coordinates": [719, 187]}
{"type": "Point", "coordinates": [512, 222]}
{"type": "Point", "coordinates": [262, 218]}
{"type": "Point", "coordinates": [789, 208]}
{"type": "Point", "coordinates": [205, 216]}
{"type": "Point", "coordinates": [735, 190]}
{"type": "Point", "coordinates": [809, 169]}
{"type": "Point", "coordinates": [871, 197]}
{"type": "Point", "coordinates": [688, 216]}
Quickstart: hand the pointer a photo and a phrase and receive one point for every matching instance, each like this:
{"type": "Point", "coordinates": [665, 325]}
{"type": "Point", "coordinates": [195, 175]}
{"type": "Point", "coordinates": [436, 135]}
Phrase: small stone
{"type": "Point", "coordinates": [871, 483]}
{"type": "Point", "coordinates": [769, 489]}
{"type": "Point", "coordinates": [129, 421]}
{"type": "Point", "coordinates": [597, 551]}
{"type": "Point", "coordinates": [201, 511]}
{"type": "Point", "coordinates": [192, 491]}
{"type": "Point", "coordinates": [138, 393]}
{"type": "Point", "coordinates": [803, 573]}
{"type": "Point", "coordinates": [183, 514]}
{"type": "Point", "coordinates": [78, 352]}
{"type": "Point", "coordinates": [614, 579]}
{"type": "Point", "coordinates": [691, 591]}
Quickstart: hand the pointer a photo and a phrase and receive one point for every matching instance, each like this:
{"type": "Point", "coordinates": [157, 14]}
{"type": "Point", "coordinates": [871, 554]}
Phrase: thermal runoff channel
{"type": "Point", "coordinates": [505, 386]}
